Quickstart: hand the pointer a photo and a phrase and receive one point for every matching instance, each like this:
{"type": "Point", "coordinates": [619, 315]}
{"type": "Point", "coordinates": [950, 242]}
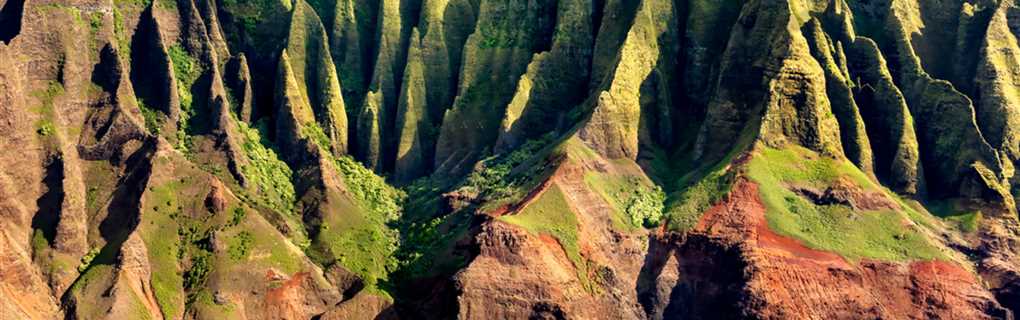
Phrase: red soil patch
{"type": "Point", "coordinates": [742, 214]}
{"type": "Point", "coordinates": [793, 281]}
{"type": "Point", "coordinates": [940, 269]}
{"type": "Point", "coordinates": [513, 208]}
{"type": "Point", "coordinates": [279, 294]}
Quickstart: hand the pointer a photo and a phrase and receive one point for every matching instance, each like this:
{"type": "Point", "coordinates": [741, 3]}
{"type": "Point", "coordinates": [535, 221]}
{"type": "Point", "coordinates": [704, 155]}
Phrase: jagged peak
{"type": "Point", "coordinates": [414, 128]}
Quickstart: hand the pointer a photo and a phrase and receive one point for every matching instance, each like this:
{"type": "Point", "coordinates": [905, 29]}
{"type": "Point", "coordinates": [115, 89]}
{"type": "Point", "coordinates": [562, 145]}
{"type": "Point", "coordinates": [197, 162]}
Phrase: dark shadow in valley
{"type": "Point", "coordinates": [10, 20]}
{"type": "Point", "coordinates": [51, 202]}
{"type": "Point", "coordinates": [707, 282]}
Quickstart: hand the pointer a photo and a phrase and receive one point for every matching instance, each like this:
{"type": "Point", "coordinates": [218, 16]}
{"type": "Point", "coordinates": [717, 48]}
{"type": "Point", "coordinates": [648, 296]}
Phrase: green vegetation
{"type": "Point", "coordinates": [86, 260]}
{"type": "Point", "coordinates": [422, 245]}
{"type": "Point", "coordinates": [370, 189]}
{"type": "Point", "coordinates": [645, 206]}
{"type": "Point", "coordinates": [495, 182]}
{"type": "Point", "coordinates": [266, 174]}
{"type": "Point", "coordinates": [253, 12]}
{"type": "Point", "coordinates": [240, 245]}
{"type": "Point", "coordinates": [44, 127]}
{"type": "Point", "coordinates": [361, 244]}
{"type": "Point", "coordinates": [39, 242]}
{"type": "Point", "coordinates": [120, 32]}
{"type": "Point", "coordinates": [966, 221]}
{"type": "Point", "coordinates": [163, 245]}
{"type": "Point", "coordinates": [640, 203]}
{"type": "Point", "coordinates": [178, 232]}
{"type": "Point", "coordinates": [506, 36]}
{"type": "Point", "coordinates": [687, 205]}
{"type": "Point", "coordinates": [134, 3]}
{"type": "Point", "coordinates": [94, 282]}
{"type": "Point", "coordinates": [151, 116]}
{"type": "Point", "coordinates": [166, 4]}
{"type": "Point", "coordinates": [186, 70]}
{"type": "Point", "coordinates": [883, 234]}
{"type": "Point", "coordinates": [358, 237]}
{"type": "Point", "coordinates": [196, 276]}
{"type": "Point", "coordinates": [237, 215]}
{"type": "Point", "coordinates": [95, 23]}
{"type": "Point", "coordinates": [551, 215]}
{"type": "Point", "coordinates": [314, 132]}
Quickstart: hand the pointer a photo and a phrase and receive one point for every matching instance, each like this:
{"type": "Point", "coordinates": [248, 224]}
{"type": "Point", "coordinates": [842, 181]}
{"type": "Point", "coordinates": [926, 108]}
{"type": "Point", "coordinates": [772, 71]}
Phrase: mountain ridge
{"type": "Point", "coordinates": [659, 159]}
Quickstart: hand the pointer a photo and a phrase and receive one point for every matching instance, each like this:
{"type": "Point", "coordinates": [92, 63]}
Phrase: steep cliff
{"type": "Point", "coordinates": [479, 159]}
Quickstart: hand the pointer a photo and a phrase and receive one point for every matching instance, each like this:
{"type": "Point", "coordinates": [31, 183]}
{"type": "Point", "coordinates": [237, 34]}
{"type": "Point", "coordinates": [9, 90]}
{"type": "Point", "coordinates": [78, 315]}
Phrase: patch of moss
{"type": "Point", "coordinates": [44, 126]}
{"type": "Point", "coordinates": [95, 22]}
{"type": "Point", "coordinates": [186, 70]}
{"type": "Point", "coordinates": [255, 243]}
{"type": "Point", "coordinates": [120, 32]}
{"type": "Point", "coordinates": [314, 132]}
{"type": "Point", "coordinates": [39, 242]}
{"type": "Point", "coordinates": [880, 234]}
{"type": "Point", "coordinates": [236, 216]}
{"type": "Point", "coordinates": [686, 206]}
{"type": "Point", "coordinates": [92, 283]}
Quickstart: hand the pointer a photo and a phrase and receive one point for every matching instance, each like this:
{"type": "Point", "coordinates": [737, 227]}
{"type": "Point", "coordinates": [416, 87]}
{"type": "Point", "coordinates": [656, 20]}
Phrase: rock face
{"type": "Point", "coordinates": [509, 159]}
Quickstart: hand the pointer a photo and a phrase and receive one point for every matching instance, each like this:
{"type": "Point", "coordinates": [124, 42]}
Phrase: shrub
{"type": "Point", "coordinates": [646, 206]}
{"type": "Point", "coordinates": [86, 260]}
{"type": "Point", "coordinates": [241, 246]}
{"type": "Point", "coordinates": [494, 180]}
{"type": "Point", "coordinates": [237, 215]}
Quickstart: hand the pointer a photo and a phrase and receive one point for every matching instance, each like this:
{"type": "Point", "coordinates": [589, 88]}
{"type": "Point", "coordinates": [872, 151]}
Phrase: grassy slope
{"type": "Point", "coordinates": [159, 230]}
{"type": "Point", "coordinates": [359, 237]}
{"type": "Point", "coordinates": [551, 215]}
{"type": "Point", "coordinates": [884, 235]}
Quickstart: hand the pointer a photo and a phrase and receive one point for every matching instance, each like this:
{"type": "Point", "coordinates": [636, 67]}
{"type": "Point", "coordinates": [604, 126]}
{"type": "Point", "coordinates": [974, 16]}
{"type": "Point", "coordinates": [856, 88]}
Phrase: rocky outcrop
{"type": "Point", "coordinates": [495, 56]}
{"type": "Point", "coordinates": [362, 306]}
{"type": "Point", "coordinates": [994, 82]}
{"type": "Point", "coordinates": [414, 127]}
{"type": "Point", "coordinates": [316, 76]}
{"type": "Point", "coordinates": [955, 152]}
{"type": "Point", "coordinates": [777, 269]}
{"type": "Point", "coordinates": [613, 129]}
{"type": "Point", "coordinates": [295, 121]}
{"type": "Point", "coordinates": [791, 94]}
{"type": "Point", "coordinates": [833, 61]}
{"type": "Point", "coordinates": [239, 81]}
{"type": "Point", "coordinates": [894, 142]}
{"type": "Point", "coordinates": [544, 95]}
{"type": "Point", "coordinates": [378, 110]}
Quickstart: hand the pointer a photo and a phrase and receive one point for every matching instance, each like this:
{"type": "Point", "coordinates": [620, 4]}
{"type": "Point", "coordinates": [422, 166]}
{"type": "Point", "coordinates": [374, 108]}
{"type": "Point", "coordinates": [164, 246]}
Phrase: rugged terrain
{"type": "Point", "coordinates": [509, 159]}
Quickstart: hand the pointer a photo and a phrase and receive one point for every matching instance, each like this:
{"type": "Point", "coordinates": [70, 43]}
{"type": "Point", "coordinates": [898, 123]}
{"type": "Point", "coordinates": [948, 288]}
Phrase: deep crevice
{"type": "Point", "coordinates": [150, 65]}
{"type": "Point", "coordinates": [10, 20]}
{"type": "Point", "coordinates": [51, 201]}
